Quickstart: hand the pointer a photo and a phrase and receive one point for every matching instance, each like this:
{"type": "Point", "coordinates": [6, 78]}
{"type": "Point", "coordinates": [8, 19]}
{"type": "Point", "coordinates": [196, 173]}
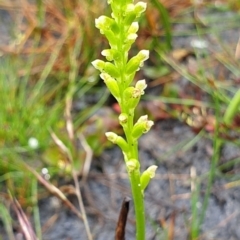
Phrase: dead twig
{"type": "Point", "coordinates": [120, 230]}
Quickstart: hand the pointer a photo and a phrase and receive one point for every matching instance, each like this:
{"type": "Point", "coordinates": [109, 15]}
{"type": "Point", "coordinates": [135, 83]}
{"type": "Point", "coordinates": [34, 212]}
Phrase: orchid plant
{"type": "Point", "coordinates": [118, 73]}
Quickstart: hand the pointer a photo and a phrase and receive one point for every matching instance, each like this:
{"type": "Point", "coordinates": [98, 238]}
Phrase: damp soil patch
{"type": "Point", "coordinates": [168, 197]}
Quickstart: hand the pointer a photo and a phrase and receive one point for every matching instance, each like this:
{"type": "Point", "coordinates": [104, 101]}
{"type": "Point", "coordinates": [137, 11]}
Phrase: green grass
{"type": "Point", "coordinates": [22, 115]}
{"type": "Point", "coordinates": [38, 83]}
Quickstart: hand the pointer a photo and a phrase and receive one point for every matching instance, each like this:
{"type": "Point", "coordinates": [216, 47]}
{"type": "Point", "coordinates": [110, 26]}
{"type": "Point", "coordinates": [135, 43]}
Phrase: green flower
{"type": "Point", "coordinates": [136, 62]}
{"type": "Point", "coordinates": [147, 176]}
{"type": "Point", "coordinates": [114, 138]}
{"type": "Point", "coordinates": [143, 125]}
{"type": "Point", "coordinates": [111, 84]}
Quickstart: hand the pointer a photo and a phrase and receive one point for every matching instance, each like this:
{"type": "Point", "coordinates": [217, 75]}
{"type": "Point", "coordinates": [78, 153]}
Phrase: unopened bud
{"type": "Point", "coordinates": [143, 118]}
{"type": "Point", "coordinates": [136, 62]}
{"type": "Point", "coordinates": [114, 138]}
{"type": "Point", "coordinates": [130, 8]}
{"type": "Point", "coordinates": [123, 118]}
{"type": "Point", "coordinates": [133, 28]}
{"type": "Point", "coordinates": [147, 175]}
{"type": "Point", "coordinates": [111, 69]}
{"type": "Point", "coordinates": [132, 165]}
{"type": "Point", "coordinates": [143, 55]}
{"type": "Point", "coordinates": [103, 23]}
{"type": "Point", "coordinates": [108, 54]}
{"type": "Point", "coordinates": [139, 8]}
{"type": "Point", "coordinates": [98, 64]}
{"type": "Point", "coordinates": [143, 125]}
{"type": "Point", "coordinates": [132, 37]}
{"type": "Point", "coordinates": [141, 85]}
{"type": "Point", "coordinates": [131, 97]}
{"type": "Point", "coordinates": [111, 84]}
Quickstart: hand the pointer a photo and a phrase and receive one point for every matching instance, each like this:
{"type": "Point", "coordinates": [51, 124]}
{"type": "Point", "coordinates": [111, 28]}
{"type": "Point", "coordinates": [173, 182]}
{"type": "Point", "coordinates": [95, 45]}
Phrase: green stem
{"type": "Point", "coordinates": [134, 177]}
{"type": "Point", "coordinates": [138, 204]}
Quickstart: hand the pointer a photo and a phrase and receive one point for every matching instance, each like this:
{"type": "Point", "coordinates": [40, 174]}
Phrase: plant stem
{"type": "Point", "coordinates": [138, 204]}
{"type": "Point", "coordinates": [232, 108]}
{"type": "Point", "coordinates": [134, 177]}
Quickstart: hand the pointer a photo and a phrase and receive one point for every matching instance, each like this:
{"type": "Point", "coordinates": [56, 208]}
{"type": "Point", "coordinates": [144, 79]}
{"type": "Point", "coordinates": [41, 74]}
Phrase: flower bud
{"type": "Point", "coordinates": [111, 136]}
{"type": "Point", "coordinates": [132, 165]}
{"type": "Point", "coordinates": [136, 62]}
{"type": "Point", "coordinates": [114, 138]}
{"type": "Point", "coordinates": [136, 93]}
{"type": "Point", "coordinates": [139, 8]}
{"type": "Point", "coordinates": [130, 15]}
{"type": "Point", "coordinates": [98, 64]}
{"type": "Point", "coordinates": [111, 84]}
{"type": "Point", "coordinates": [147, 175]}
{"type": "Point", "coordinates": [133, 28]}
{"type": "Point", "coordinates": [128, 93]}
{"type": "Point", "coordinates": [130, 8]}
{"type": "Point", "coordinates": [123, 118]}
{"type": "Point", "coordinates": [108, 27]}
{"type": "Point", "coordinates": [143, 125]}
{"type": "Point", "coordinates": [131, 33]}
{"type": "Point", "coordinates": [133, 65]}
{"type": "Point", "coordinates": [111, 37]}
{"type": "Point", "coordinates": [131, 97]}
{"type": "Point", "coordinates": [134, 11]}
{"type": "Point", "coordinates": [103, 23]}
{"type": "Point", "coordinates": [111, 69]}
{"type": "Point", "coordinates": [143, 55]}
{"type": "Point", "coordinates": [111, 54]}
{"type": "Point", "coordinates": [143, 118]}
{"type": "Point", "coordinates": [132, 37]}
{"type": "Point", "coordinates": [108, 54]}
{"type": "Point", "coordinates": [141, 85]}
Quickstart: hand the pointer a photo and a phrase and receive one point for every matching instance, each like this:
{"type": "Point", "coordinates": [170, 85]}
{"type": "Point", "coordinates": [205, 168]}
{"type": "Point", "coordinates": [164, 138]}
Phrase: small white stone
{"type": "Point", "coordinates": [33, 143]}
{"type": "Point", "coordinates": [44, 171]}
{"type": "Point", "coordinates": [198, 43]}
